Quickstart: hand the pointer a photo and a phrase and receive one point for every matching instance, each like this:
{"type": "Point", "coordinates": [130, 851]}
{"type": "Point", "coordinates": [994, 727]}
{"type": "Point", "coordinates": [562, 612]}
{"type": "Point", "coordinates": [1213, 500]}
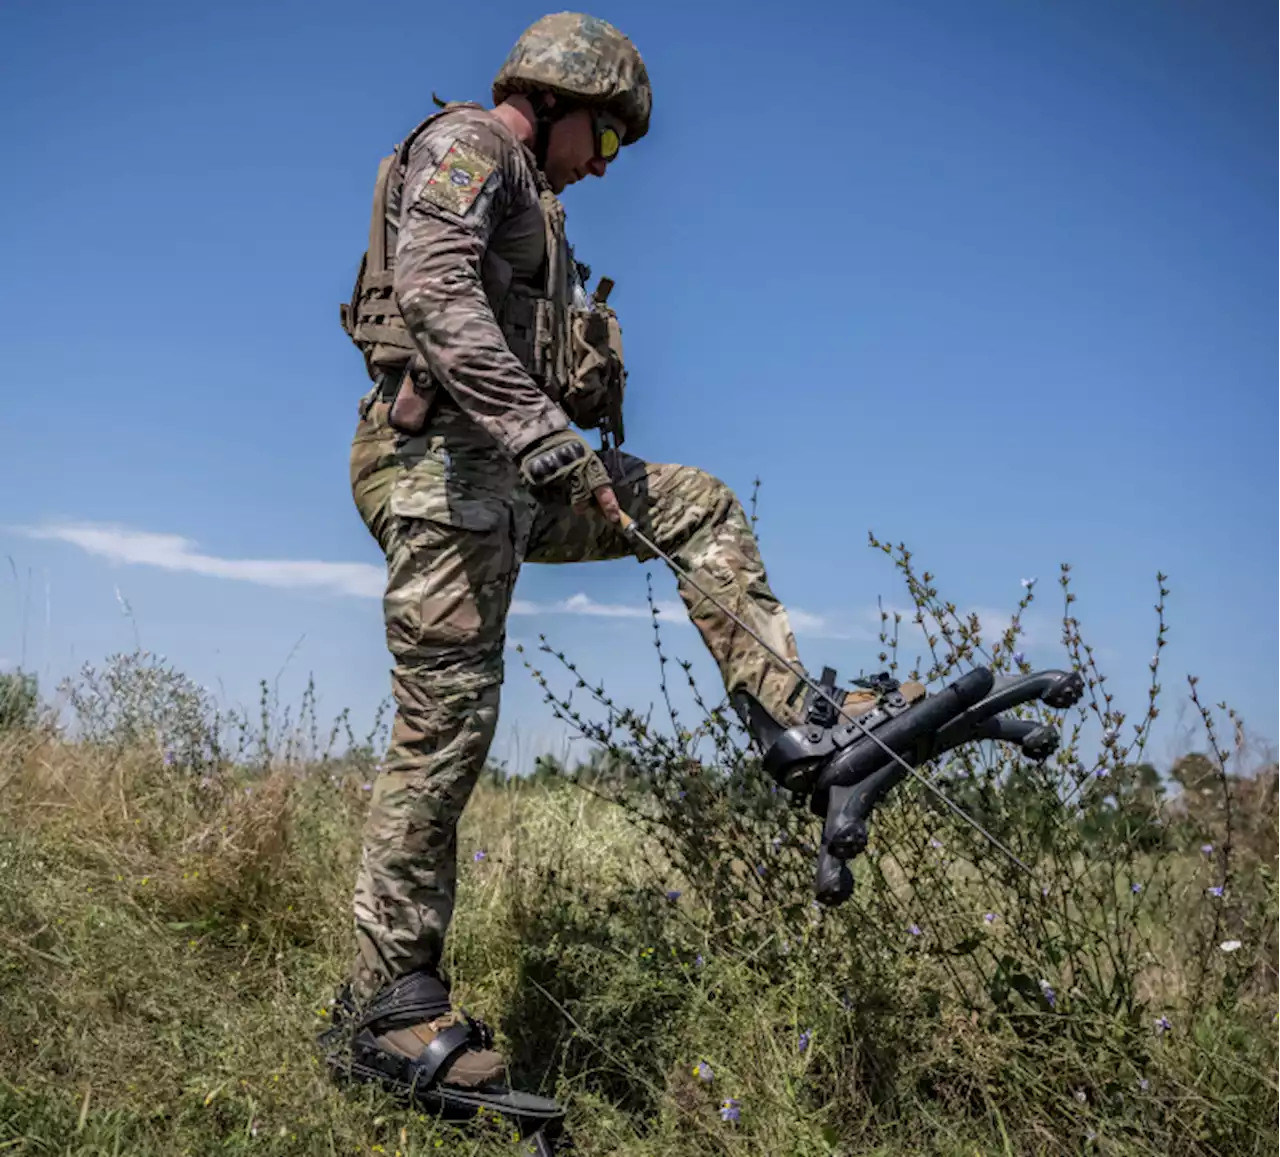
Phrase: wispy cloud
{"type": "Point", "coordinates": [583, 604]}
{"type": "Point", "coordinates": [174, 552]}
{"type": "Point", "coordinates": [806, 624]}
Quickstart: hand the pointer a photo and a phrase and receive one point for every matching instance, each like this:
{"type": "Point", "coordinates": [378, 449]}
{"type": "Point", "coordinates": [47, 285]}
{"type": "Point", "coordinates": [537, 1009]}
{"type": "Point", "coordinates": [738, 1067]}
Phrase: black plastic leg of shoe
{"type": "Point", "coordinates": [902, 734]}
{"type": "Point", "coordinates": [1056, 689]}
{"type": "Point", "coordinates": [848, 814]}
{"type": "Point", "coordinates": [846, 829]}
{"type": "Point", "coordinates": [833, 882]}
{"type": "Point", "coordinates": [856, 780]}
{"type": "Point", "coordinates": [1038, 741]}
{"type": "Point", "coordinates": [842, 838]}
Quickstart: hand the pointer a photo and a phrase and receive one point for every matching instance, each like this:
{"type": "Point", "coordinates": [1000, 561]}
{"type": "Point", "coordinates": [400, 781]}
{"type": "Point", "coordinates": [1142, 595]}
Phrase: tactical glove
{"type": "Point", "coordinates": [561, 467]}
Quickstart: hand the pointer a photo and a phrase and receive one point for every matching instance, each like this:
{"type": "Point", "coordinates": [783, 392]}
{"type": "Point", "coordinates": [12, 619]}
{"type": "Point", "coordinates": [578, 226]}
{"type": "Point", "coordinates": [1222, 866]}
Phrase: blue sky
{"type": "Point", "coordinates": [993, 279]}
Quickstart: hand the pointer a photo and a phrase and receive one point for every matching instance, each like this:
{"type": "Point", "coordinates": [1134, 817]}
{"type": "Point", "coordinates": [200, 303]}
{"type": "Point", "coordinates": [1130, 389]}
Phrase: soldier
{"type": "Point", "coordinates": [474, 322]}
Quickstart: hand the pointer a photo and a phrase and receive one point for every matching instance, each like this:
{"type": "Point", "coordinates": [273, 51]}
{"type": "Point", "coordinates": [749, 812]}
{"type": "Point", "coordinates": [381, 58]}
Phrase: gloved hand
{"type": "Point", "coordinates": [562, 467]}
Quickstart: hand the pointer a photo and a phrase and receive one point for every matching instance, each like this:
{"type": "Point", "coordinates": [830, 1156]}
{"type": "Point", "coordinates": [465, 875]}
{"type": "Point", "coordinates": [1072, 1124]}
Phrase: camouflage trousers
{"type": "Point", "coordinates": [455, 524]}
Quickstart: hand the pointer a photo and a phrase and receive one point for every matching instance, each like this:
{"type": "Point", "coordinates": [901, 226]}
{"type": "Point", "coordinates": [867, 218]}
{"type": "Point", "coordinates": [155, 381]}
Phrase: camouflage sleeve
{"type": "Point", "coordinates": [458, 184]}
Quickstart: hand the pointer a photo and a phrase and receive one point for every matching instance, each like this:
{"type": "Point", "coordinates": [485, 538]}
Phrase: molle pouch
{"type": "Point", "coordinates": [549, 349]}
{"type": "Point", "coordinates": [593, 393]}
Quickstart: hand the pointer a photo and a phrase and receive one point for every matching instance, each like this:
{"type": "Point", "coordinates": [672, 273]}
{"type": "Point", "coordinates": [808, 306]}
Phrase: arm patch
{"type": "Point", "coordinates": [458, 178]}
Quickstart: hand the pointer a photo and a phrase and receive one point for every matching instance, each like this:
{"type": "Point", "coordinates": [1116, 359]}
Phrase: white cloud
{"type": "Point", "coordinates": [802, 622]}
{"type": "Point", "coordinates": [174, 552]}
{"type": "Point", "coordinates": [581, 604]}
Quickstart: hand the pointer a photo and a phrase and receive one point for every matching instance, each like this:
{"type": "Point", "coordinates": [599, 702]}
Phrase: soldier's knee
{"type": "Point", "coordinates": [699, 488]}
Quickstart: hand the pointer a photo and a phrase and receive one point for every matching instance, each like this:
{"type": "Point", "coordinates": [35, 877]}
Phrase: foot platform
{"type": "Point", "coordinates": [353, 1057]}
{"type": "Point", "coordinates": [845, 772]}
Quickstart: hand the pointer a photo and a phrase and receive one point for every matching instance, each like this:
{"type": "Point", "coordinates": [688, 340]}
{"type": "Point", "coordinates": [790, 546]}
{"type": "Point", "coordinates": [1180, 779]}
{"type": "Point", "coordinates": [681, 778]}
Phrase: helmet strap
{"type": "Point", "coordinates": [545, 116]}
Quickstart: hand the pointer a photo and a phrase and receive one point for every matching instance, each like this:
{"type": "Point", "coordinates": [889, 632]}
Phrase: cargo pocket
{"type": "Point", "coordinates": [449, 577]}
{"type": "Point", "coordinates": [430, 490]}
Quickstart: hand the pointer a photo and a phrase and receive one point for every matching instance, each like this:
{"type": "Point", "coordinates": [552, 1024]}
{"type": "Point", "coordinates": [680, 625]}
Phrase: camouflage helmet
{"type": "Point", "coordinates": [584, 59]}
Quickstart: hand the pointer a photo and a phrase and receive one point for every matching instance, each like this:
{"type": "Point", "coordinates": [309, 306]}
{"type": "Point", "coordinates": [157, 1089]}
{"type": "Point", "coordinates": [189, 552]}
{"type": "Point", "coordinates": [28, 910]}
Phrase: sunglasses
{"type": "Point", "coordinates": [608, 139]}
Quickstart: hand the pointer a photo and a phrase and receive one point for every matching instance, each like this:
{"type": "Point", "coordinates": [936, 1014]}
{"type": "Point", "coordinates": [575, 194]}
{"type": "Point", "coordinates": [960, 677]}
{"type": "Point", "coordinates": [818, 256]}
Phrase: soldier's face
{"type": "Point", "coordinates": [571, 151]}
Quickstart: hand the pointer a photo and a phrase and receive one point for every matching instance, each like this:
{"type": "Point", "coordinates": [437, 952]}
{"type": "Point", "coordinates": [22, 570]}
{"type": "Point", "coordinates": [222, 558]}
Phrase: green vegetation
{"type": "Point", "coordinates": [177, 886]}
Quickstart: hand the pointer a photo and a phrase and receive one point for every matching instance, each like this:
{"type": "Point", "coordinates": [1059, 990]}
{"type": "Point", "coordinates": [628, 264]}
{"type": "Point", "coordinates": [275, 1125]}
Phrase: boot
{"type": "Point", "coordinates": [411, 1041]}
{"type": "Point", "coordinates": [795, 748]}
{"type": "Point", "coordinates": [411, 1029]}
{"type": "Point", "coordinates": [474, 1068]}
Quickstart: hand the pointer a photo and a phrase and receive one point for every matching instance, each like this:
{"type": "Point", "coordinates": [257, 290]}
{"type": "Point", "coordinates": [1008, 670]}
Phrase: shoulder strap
{"type": "Point", "coordinates": [395, 163]}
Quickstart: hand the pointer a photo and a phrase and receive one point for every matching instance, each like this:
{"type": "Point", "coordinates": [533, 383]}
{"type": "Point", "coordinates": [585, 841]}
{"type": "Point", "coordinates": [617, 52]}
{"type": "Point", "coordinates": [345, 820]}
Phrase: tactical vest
{"type": "Point", "coordinates": [571, 347]}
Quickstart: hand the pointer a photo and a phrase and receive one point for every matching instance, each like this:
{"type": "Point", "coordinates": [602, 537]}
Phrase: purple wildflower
{"type": "Point", "coordinates": [1144, 1084]}
{"type": "Point", "coordinates": [990, 917]}
{"type": "Point", "coordinates": [703, 1072]}
{"type": "Point", "coordinates": [170, 757]}
{"type": "Point", "coordinates": [936, 844]}
{"type": "Point", "coordinates": [698, 962]}
{"type": "Point", "coordinates": [729, 1111]}
{"type": "Point", "coordinates": [366, 787]}
{"type": "Point", "coordinates": [1216, 890]}
{"type": "Point", "coordinates": [759, 869]}
{"type": "Point", "coordinates": [1163, 1026]}
{"type": "Point", "coordinates": [1206, 849]}
{"type": "Point", "coordinates": [1019, 658]}
{"type": "Point", "coordinates": [1136, 889]}
{"type": "Point", "coordinates": [673, 895]}
{"type": "Point", "coordinates": [914, 929]}
{"type": "Point", "coordinates": [1049, 995]}
{"type": "Point", "coordinates": [1102, 772]}
{"type": "Point", "coordinates": [805, 1038]}
{"type": "Point", "coordinates": [480, 855]}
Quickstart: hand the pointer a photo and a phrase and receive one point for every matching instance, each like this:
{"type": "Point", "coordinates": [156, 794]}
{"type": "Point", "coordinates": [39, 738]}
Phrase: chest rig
{"type": "Point", "coordinates": [571, 345]}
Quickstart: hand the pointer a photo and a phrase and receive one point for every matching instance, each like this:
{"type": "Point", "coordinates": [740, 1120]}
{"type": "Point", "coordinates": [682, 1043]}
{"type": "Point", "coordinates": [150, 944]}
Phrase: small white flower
{"type": "Point", "coordinates": [1229, 945]}
{"type": "Point", "coordinates": [1028, 583]}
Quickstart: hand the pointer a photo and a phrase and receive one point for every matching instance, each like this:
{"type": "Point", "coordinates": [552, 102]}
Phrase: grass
{"type": "Point", "coordinates": [638, 931]}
